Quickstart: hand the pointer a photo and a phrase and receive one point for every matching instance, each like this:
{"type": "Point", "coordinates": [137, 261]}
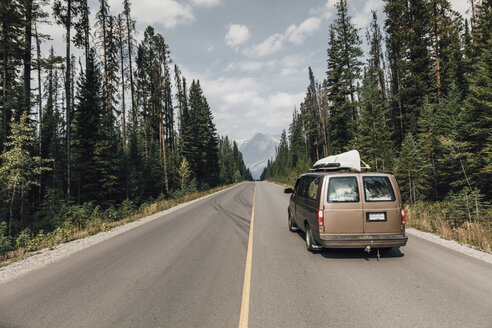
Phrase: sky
{"type": "Point", "coordinates": [251, 57]}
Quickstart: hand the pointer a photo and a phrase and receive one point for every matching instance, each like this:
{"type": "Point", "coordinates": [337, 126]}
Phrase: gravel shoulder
{"type": "Point", "coordinates": [451, 244]}
{"type": "Point", "coordinates": [50, 255]}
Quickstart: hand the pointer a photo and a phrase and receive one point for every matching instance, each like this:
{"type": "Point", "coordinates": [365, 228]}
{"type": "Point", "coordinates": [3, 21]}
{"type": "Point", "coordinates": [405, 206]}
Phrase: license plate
{"type": "Point", "coordinates": [376, 216]}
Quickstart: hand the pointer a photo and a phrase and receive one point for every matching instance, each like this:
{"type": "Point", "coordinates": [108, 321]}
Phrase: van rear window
{"type": "Point", "coordinates": [343, 190]}
{"type": "Point", "coordinates": [378, 189]}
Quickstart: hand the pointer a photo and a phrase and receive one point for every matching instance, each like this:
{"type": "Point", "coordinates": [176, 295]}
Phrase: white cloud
{"type": "Point", "coordinates": [271, 45]}
{"type": "Point", "coordinates": [297, 35]}
{"type": "Point", "coordinates": [255, 66]}
{"type": "Point", "coordinates": [251, 66]}
{"type": "Point", "coordinates": [325, 11]}
{"type": "Point", "coordinates": [242, 106]}
{"type": "Point", "coordinates": [167, 13]}
{"type": "Point", "coordinates": [289, 71]}
{"type": "Point", "coordinates": [462, 6]}
{"type": "Point", "coordinates": [206, 3]}
{"type": "Point", "coordinates": [237, 35]}
{"type": "Point", "coordinates": [293, 34]}
{"type": "Point", "coordinates": [293, 61]}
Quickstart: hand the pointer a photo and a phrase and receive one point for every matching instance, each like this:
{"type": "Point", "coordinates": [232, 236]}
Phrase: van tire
{"type": "Point", "coordinates": [310, 243]}
{"type": "Point", "coordinates": [292, 225]}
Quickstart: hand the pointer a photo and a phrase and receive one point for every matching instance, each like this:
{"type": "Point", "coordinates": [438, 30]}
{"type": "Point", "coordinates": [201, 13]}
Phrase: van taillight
{"type": "Point", "coordinates": [320, 218]}
{"type": "Point", "coordinates": [403, 216]}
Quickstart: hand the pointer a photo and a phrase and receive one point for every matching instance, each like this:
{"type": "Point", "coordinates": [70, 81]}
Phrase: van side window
{"type": "Point", "coordinates": [343, 190]}
{"type": "Point", "coordinates": [378, 189]}
{"type": "Point", "coordinates": [304, 186]}
{"type": "Point", "coordinates": [313, 189]}
{"type": "Point", "coordinates": [308, 188]}
{"type": "Point", "coordinates": [296, 188]}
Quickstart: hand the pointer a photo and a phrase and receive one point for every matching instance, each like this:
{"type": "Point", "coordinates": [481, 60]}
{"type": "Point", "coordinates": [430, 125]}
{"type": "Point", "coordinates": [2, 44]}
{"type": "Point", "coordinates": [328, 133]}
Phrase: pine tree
{"type": "Point", "coordinates": [130, 30]}
{"type": "Point", "coordinates": [477, 127]}
{"type": "Point", "coordinates": [374, 132]}
{"type": "Point", "coordinates": [396, 47]}
{"type": "Point", "coordinates": [11, 41]}
{"type": "Point", "coordinates": [350, 51]}
{"type": "Point", "coordinates": [416, 83]}
{"type": "Point", "coordinates": [340, 129]}
{"type": "Point", "coordinates": [120, 34]}
{"type": "Point", "coordinates": [344, 68]}
{"type": "Point", "coordinates": [313, 120]}
{"type": "Point", "coordinates": [27, 14]}
{"type": "Point", "coordinates": [184, 173]}
{"type": "Point", "coordinates": [408, 169]}
{"type": "Point", "coordinates": [64, 16]}
{"type": "Point", "coordinates": [83, 29]}
{"type": "Point", "coordinates": [50, 125]}
{"type": "Point", "coordinates": [296, 140]}
{"type": "Point", "coordinates": [427, 140]}
{"type": "Point", "coordinates": [88, 127]}
{"type": "Point", "coordinates": [376, 65]}
{"type": "Point", "coordinates": [20, 170]}
{"type": "Point", "coordinates": [202, 151]}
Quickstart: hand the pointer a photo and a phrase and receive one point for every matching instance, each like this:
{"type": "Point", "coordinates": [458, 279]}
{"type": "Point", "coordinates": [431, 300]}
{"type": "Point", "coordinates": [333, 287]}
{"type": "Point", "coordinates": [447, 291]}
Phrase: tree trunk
{"type": "Point", "coordinates": [399, 102]}
{"type": "Point", "coordinates": [436, 48]}
{"type": "Point", "coordinates": [11, 208]}
{"type": "Point", "coordinates": [5, 77]}
{"type": "Point", "coordinates": [123, 112]}
{"type": "Point", "coordinates": [323, 125]}
{"type": "Point", "coordinates": [67, 87]}
{"type": "Point", "coordinates": [132, 89]}
{"type": "Point", "coordinates": [86, 32]}
{"type": "Point", "coordinates": [163, 151]}
{"type": "Point", "coordinates": [22, 207]}
{"type": "Point", "coordinates": [473, 13]}
{"type": "Point", "coordinates": [27, 56]}
{"type": "Point", "coordinates": [105, 61]}
{"type": "Point", "coordinates": [38, 67]}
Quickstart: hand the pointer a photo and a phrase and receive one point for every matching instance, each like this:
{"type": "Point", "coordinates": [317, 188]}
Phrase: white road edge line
{"type": "Point", "coordinates": [243, 317]}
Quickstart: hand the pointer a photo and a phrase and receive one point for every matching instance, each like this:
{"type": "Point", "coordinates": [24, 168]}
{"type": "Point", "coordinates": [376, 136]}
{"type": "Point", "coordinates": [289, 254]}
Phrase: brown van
{"type": "Point", "coordinates": [349, 209]}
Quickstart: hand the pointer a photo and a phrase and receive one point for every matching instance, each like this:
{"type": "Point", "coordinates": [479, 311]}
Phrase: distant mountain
{"type": "Point", "coordinates": [257, 151]}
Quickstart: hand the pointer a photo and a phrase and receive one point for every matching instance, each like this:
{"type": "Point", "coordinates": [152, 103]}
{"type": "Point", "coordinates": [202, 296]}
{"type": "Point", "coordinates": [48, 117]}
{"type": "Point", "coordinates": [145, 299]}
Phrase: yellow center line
{"type": "Point", "coordinates": [243, 318]}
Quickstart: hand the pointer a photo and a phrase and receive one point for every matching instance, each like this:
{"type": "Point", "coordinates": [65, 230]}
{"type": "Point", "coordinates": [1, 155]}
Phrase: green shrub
{"type": "Point", "coordinates": [5, 241]}
{"type": "Point", "coordinates": [23, 238]}
{"type": "Point", "coordinates": [127, 208]}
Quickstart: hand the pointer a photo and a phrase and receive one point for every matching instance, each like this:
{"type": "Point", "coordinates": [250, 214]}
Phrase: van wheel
{"type": "Point", "coordinates": [310, 243]}
{"type": "Point", "coordinates": [292, 226]}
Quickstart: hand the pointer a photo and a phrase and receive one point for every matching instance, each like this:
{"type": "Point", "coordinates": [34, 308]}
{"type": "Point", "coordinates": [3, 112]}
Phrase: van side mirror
{"type": "Point", "coordinates": [288, 191]}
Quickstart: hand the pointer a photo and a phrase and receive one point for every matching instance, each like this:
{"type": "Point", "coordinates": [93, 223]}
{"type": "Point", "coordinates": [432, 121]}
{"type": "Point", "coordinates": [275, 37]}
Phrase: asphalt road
{"type": "Point", "coordinates": [187, 268]}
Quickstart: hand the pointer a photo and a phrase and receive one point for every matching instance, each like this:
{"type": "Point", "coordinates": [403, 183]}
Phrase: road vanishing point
{"type": "Point", "coordinates": [210, 265]}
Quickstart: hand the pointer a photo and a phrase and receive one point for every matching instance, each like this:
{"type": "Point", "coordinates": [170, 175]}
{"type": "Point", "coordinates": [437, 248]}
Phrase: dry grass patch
{"type": "Point", "coordinates": [435, 218]}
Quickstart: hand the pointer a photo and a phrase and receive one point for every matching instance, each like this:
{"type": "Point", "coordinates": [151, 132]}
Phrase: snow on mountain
{"type": "Point", "coordinates": [257, 151]}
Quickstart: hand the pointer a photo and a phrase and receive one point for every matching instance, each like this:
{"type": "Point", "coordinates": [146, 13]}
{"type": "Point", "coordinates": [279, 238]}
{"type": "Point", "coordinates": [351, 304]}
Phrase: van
{"type": "Point", "coordinates": [340, 208]}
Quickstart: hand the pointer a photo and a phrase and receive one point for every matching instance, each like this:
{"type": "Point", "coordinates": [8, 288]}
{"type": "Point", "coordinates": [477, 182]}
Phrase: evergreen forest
{"type": "Point", "coordinates": [101, 134]}
{"type": "Point", "coordinates": [418, 103]}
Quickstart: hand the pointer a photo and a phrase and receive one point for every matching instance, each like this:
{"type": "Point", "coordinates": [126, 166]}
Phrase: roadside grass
{"type": "Point", "coordinates": [439, 218]}
{"type": "Point", "coordinates": [88, 222]}
{"type": "Point", "coordinates": [447, 219]}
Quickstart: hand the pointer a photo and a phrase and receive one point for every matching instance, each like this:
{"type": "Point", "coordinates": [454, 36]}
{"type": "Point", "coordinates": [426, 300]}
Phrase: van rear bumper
{"type": "Point", "coordinates": [361, 241]}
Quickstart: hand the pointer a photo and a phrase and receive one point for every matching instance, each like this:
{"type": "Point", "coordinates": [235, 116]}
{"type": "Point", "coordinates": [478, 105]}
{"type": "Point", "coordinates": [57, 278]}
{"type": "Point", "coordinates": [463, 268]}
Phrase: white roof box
{"type": "Point", "coordinates": [348, 160]}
